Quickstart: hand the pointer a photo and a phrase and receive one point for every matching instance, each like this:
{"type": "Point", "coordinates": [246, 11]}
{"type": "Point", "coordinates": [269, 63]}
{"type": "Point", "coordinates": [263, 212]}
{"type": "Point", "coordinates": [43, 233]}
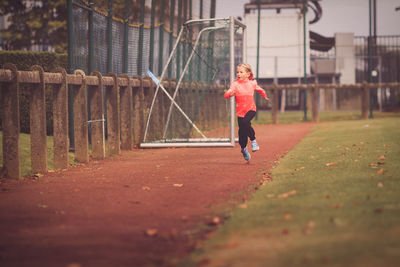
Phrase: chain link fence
{"type": "Point", "coordinates": [128, 36]}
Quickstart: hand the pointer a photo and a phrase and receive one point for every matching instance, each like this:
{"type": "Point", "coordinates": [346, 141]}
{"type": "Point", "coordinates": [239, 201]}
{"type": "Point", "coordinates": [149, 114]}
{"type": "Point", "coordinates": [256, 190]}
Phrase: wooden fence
{"type": "Point", "coordinates": [314, 90]}
{"type": "Point", "coordinates": [126, 100]}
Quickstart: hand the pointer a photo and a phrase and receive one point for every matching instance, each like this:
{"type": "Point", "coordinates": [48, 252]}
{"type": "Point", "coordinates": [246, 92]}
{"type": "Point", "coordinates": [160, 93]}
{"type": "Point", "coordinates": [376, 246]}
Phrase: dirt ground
{"type": "Point", "coordinates": [144, 208]}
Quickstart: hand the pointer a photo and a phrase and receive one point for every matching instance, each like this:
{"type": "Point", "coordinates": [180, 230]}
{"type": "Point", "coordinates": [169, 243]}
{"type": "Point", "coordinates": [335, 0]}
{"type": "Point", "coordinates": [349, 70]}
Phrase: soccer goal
{"type": "Point", "coordinates": [188, 107]}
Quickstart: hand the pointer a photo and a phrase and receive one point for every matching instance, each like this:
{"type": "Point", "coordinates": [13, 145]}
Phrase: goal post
{"type": "Point", "coordinates": [188, 108]}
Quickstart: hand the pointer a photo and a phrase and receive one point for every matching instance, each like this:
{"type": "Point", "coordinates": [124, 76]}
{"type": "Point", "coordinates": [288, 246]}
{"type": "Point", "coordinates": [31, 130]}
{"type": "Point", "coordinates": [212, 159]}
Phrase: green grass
{"type": "Point", "coordinates": [289, 117]}
{"type": "Point", "coordinates": [334, 200]}
{"type": "Point", "coordinates": [25, 153]}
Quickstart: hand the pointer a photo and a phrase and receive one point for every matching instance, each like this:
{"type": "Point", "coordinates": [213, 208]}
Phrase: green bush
{"type": "Point", "coordinates": [24, 60]}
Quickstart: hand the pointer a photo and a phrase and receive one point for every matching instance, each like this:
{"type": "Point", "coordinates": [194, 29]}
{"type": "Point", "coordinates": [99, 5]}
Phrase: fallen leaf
{"type": "Point", "coordinates": [267, 177]}
{"type": "Point", "coordinates": [301, 168]}
{"type": "Point", "coordinates": [243, 206]}
{"type": "Point", "coordinates": [380, 185]}
{"type": "Point", "coordinates": [337, 205]}
{"type": "Point", "coordinates": [287, 217]}
{"type": "Point", "coordinates": [331, 164]}
{"type": "Point", "coordinates": [385, 145]}
{"type": "Point", "coordinates": [146, 188]}
{"type": "Point", "coordinates": [178, 185]}
{"type": "Point", "coordinates": [151, 232]}
{"type": "Point", "coordinates": [373, 165]}
{"type": "Point", "coordinates": [380, 171]}
{"type": "Point", "coordinates": [285, 231]}
{"type": "Point", "coordinates": [285, 195]}
{"type": "Point", "coordinates": [215, 221]}
{"type": "Point", "coordinates": [382, 157]}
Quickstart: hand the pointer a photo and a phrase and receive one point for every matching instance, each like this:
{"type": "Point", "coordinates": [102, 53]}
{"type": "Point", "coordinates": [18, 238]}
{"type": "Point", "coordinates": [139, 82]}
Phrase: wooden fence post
{"type": "Point", "coordinates": [60, 122]}
{"type": "Point", "coordinates": [138, 116]}
{"type": "Point", "coordinates": [364, 100]}
{"type": "Point", "coordinates": [81, 120]}
{"type": "Point", "coordinates": [37, 114]}
{"type": "Point", "coordinates": [126, 114]}
{"type": "Point", "coordinates": [275, 104]}
{"type": "Point", "coordinates": [113, 118]}
{"type": "Point", "coordinates": [315, 102]}
{"type": "Point", "coordinates": [11, 128]}
{"type": "Point", "coordinates": [97, 122]}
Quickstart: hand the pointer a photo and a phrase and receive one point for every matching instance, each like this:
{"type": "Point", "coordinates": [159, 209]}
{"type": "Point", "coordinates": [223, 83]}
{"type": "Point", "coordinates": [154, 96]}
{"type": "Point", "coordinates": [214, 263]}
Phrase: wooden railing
{"type": "Point", "coordinates": [126, 100]}
{"type": "Point", "coordinates": [314, 90]}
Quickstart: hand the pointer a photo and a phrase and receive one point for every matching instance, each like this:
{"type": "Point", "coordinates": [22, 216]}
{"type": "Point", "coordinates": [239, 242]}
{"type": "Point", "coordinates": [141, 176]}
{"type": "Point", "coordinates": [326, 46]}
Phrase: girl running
{"type": "Point", "coordinates": [243, 90]}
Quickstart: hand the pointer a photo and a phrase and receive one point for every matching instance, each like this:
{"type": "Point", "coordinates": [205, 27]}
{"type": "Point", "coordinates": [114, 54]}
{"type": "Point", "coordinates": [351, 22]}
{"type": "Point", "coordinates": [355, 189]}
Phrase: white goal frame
{"type": "Point", "coordinates": [204, 141]}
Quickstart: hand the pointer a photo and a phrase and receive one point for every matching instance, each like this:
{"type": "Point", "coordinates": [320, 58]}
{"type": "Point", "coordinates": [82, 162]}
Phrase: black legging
{"type": "Point", "coordinates": [245, 129]}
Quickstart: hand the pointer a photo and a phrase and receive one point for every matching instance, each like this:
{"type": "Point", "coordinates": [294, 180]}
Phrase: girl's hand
{"type": "Point", "coordinates": [266, 98]}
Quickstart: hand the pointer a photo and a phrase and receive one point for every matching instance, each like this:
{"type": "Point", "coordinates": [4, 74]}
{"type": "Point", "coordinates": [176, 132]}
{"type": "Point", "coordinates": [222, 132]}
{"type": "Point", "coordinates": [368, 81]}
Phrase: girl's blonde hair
{"type": "Point", "coordinates": [247, 67]}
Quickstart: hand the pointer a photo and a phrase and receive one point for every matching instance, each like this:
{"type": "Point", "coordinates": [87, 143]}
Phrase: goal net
{"type": "Point", "coordinates": [188, 107]}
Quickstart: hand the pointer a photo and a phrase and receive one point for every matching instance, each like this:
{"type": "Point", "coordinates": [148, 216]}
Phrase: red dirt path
{"type": "Point", "coordinates": [97, 214]}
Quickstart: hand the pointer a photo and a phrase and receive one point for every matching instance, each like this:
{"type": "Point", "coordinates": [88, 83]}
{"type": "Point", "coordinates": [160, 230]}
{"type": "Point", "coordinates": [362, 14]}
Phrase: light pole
{"type": "Point", "coordinates": [305, 57]}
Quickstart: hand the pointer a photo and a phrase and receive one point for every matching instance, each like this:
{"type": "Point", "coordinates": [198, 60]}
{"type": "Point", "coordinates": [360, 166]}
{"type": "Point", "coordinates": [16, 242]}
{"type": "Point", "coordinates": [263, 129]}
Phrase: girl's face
{"type": "Point", "coordinates": [242, 74]}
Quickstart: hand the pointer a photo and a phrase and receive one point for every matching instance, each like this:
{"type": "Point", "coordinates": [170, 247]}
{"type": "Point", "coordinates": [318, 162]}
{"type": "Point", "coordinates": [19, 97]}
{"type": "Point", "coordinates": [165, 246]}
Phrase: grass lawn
{"type": "Point", "coordinates": [334, 200]}
{"type": "Point", "coordinates": [25, 153]}
{"type": "Point", "coordinates": [288, 117]}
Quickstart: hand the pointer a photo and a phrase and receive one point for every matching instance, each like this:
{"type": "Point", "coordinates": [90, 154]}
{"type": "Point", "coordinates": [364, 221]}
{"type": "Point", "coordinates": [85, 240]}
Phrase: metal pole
{"type": "Point", "coordinates": [178, 53]}
{"type": "Point", "coordinates": [190, 37]}
{"type": "Point", "coordinates": [109, 37]}
{"type": "Point", "coordinates": [371, 49]}
{"type": "Point", "coordinates": [71, 67]}
{"type": "Point", "coordinates": [258, 49]}
{"type": "Point", "coordinates": [140, 49]}
{"type": "Point", "coordinates": [171, 34]}
{"type": "Point", "coordinates": [305, 58]}
{"type": "Point", "coordinates": [232, 76]}
{"type": "Point", "coordinates": [91, 37]}
{"type": "Point", "coordinates": [151, 55]}
{"type": "Point", "coordinates": [161, 42]}
{"type": "Point", "coordinates": [370, 54]}
{"type": "Point", "coordinates": [126, 37]}
{"type": "Point", "coordinates": [201, 16]}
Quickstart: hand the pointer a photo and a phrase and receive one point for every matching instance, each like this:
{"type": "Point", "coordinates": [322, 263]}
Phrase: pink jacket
{"type": "Point", "coordinates": [244, 95]}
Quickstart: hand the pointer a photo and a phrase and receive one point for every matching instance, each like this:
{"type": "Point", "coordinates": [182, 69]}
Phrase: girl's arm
{"type": "Point", "coordinates": [230, 92]}
{"type": "Point", "coordinates": [261, 92]}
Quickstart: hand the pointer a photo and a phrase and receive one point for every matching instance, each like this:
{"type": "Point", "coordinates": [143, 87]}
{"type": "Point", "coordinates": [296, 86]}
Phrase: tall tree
{"type": "Point", "coordinates": [39, 22]}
